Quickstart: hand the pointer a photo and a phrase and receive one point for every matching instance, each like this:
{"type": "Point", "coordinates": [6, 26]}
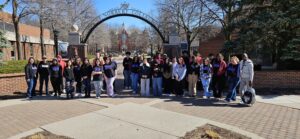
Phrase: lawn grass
{"type": "Point", "coordinates": [13, 66]}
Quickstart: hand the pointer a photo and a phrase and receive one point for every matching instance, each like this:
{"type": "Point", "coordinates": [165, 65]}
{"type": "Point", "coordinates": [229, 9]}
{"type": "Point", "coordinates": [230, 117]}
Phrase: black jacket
{"type": "Point", "coordinates": [145, 71]}
{"type": "Point", "coordinates": [109, 70]}
{"type": "Point", "coordinates": [55, 71]}
{"type": "Point", "coordinates": [135, 67]}
{"type": "Point", "coordinates": [68, 74]}
{"type": "Point", "coordinates": [193, 68]}
{"type": "Point", "coordinates": [127, 63]}
{"type": "Point", "coordinates": [156, 70]}
{"type": "Point", "coordinates": [86, 70]}
{"type": "Point", "coordinates": [43, 69]}
{"type": "Point", "coordinates": [31, 71]}
{"type": "Point", "coordinates": [77, 72]}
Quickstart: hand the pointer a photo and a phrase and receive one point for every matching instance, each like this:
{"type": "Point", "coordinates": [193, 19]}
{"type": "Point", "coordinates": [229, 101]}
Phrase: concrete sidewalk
{"type": "Point", "coordinates": [292, 101]}
{"type": "Point", "coordinates": [132, 121]}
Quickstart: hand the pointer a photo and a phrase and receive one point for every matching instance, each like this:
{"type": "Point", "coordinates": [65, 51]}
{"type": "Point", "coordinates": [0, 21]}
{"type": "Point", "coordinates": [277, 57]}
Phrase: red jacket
{"type": "Point", "coordinates": [220, 66]}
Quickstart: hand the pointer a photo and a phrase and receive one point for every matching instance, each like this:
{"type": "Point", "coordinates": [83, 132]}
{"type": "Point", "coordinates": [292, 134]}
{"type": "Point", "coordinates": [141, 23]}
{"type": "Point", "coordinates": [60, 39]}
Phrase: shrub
{"type": "Point", "coordinates": [14, 66]}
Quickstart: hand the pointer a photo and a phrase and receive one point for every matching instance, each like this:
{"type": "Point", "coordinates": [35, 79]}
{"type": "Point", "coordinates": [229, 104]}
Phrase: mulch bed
{"type": "Point", "coordinates": [45, 135]}
{"type": "Point", "coordinates": [212, 132]}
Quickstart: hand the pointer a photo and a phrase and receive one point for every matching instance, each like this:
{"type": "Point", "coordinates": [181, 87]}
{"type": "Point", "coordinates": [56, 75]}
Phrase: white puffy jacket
{"type": "Point", "coordinates": [247, 69]}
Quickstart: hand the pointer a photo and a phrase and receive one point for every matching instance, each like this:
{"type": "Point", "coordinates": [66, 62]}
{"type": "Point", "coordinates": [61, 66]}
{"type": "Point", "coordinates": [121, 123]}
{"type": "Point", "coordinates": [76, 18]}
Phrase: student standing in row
{"type": "Point", "coordinates": [145, 71]}
{"type": "Point", "coordinates": [167, 76]}
{"type": "Point", "coordinates": [31, 76]}
{"type": "Point", "coordinates": [135, 67]}
{"type": "Point", "coordinates": [180, 72]}
{"type": "Point", "coordinates": [109, 74]}
{"type": "Point", "coordinates": [69, 79]}
{"type": "Point", "coordinates": [127, 71]}
{"type": "Point", "coordinates": [56, 77]}
{"type": "Point", "coordinates": [193, 76]}
{"type": "Point", "coordinates": [205, 76]}
{"type": "Point", "coordinates": [218, 80]}
{"type": "Point", "coordinates": [157, 77]}
{"type": "Point", "coordinates": [86, 72]}
{"type": "Point", "coordinates": [247, 74]}
{"type": "Point", "coordinates": [43, 70]}
{"type": "Point", "coordinates": [77, 75]}
{"type": "Point", "coordinates": [233, 78]}
{"type": "Point", "coordinates": [97, 76]}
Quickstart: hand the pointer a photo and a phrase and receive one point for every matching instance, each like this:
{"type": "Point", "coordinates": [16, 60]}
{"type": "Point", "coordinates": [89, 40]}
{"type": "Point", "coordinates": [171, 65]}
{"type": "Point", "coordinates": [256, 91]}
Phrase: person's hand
{"type": "Point", "coordinates": [28, 80]}
{"type": "Point", "coordinates": [250, 83]}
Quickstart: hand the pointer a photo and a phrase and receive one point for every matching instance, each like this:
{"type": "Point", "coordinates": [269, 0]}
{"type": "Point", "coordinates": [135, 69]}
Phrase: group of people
{"type": "Point", "coordinates": [165, 75]}
{"type": "Point", "coordinates": [173, 76]}
{"type": "Point", "coordinates": [63, 75]}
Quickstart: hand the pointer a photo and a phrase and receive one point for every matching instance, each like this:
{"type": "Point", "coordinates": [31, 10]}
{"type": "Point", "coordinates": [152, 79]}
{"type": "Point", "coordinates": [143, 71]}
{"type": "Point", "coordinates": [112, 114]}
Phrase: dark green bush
{"type": "Point", "coordinates": [14, 66]}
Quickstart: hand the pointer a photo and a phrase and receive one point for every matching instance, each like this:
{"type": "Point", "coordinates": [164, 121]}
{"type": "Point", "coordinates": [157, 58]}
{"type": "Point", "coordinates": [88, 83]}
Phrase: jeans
{"type": "Point", "coordinates": [192, 79]}
{"type": "Point", "coordinates": [69, 88]}
{"type": "Point", "coordinates": [127, 80]}
{"type": "Point", "coordinates": [157, 86]}
{"type": "Point", "coordinates": [134, 81]}
{"type": "Point", "coordinates": [87, 86]}
{"type": "Point", "coordinates": [206, 84]}
{"type": "Point", "coordinates": [110, 86]}
{"type": "Point", "coordinates": [233, 82]}
{"type": "Point", "coordinates": [42, 80]}
{"type": "Point", "coordinates": [30, 87]}
{"type": "Point", "coordinates": [98, 87]}
{"type": "Point", "coordinates": [145, 87]}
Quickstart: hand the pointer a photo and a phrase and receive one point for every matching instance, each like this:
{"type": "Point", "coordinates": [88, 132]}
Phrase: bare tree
{"type": "Point", "coordinates": [19, 11]}
{"type": "Point", "coordinates": [187, 15]}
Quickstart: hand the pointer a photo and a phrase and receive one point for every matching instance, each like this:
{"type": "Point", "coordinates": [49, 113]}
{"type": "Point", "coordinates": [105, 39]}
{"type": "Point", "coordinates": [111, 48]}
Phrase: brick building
{"type": "Point", "coordinates": [212, 45]}
{"type": "Point", "coordinates": [29, 38]}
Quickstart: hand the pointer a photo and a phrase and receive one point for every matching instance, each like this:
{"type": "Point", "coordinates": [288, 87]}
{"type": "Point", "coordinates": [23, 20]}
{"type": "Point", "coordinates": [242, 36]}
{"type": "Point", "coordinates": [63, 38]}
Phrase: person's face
{"type": "Point", "coordinates": [54, 62]}
{"type": "Point", "coordinates": [233, 61]}
{"type": "Point", "coordinates": [58, 59]}
{"type": "Point", "coordinates": [244, 57]}
{"type": "Point", "coordinates": [31, 60]}
{"type": "Point", "coordinates": [107, 61]}
{"type": "Point", "coordinates": [69, 62]}
{"type": "Point", "coordinates": [174, 60]}
{"type": "Point", "coordinates": [145, 61]}
{"type": "Point", "coordinates": [127, 55]}
{"type": "Point", "coordinates": [219, 57]}
{"type": "Point", "coordinates": [158, 61]}
{"type": "Point", "coordinates": [44, 59]}
{"type": "Point", "coordinates": [77, 61]}
{"type": "Point", "coordinates": [180, 60]}
{"type": "Point", "coordinates": [86, 61]}
{"type": "Point", "coordinates": [206, 62]}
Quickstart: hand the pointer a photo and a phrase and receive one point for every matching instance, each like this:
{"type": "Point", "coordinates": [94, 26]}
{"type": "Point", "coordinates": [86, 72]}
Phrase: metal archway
{"type": "Point", "coordinates": [117, 13]}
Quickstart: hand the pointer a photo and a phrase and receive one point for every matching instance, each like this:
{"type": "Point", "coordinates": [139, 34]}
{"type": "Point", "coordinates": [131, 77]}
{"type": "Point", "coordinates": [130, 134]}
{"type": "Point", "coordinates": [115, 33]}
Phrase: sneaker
{"type": "Point", "coordinates": [204, 97]}
{"type": "Point", "coordinates": [114, 95]}
{"type": "Point", "coordinates": [97, 97]}
{"type": "Point", "coordinates": [64, 91]}
{"type": "Point", "coordinates": [241, 102]}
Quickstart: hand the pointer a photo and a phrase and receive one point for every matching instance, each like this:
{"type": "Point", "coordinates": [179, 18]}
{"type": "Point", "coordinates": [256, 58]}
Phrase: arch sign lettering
{"type": "Point", "coordinates": [122, 11]}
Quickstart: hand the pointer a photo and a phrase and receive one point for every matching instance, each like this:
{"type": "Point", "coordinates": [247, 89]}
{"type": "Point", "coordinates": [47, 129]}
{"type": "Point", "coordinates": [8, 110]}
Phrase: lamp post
{"type": "Point", "coordinates": [55, 33]}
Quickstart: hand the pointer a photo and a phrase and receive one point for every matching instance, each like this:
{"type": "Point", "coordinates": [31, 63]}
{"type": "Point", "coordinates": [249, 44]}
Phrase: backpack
{"type": "Point", "coordinates": [248, 96]}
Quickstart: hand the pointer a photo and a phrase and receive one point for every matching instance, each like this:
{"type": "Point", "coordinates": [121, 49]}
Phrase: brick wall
{"type": "Point", "coordinates": [213, 45]}
{"type": "Point", "coordinates": [12, 83]}
{"type": "Point", "coordinates": [277, 79]}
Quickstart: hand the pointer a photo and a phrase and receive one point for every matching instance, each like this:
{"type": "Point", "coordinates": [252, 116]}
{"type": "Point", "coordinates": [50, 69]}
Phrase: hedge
{"type": "Point", "coordinates": [13, 66]}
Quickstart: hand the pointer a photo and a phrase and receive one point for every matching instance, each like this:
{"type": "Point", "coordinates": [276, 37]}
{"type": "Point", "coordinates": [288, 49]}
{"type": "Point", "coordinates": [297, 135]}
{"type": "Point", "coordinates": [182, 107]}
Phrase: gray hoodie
{"type": "Point", "coordinates": [247, 70]}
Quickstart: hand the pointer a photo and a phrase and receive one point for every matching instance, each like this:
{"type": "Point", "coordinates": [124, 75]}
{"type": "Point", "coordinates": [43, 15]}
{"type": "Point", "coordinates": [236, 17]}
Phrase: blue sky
{"type": "Point", "coordinates": [146, 6]}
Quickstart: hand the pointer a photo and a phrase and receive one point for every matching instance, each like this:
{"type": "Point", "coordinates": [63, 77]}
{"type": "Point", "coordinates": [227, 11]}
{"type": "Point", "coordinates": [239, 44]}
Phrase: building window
{"type": "Point", "coordinates": [31, 49]}
{"type": "Point", "coordinates": [12, 53]}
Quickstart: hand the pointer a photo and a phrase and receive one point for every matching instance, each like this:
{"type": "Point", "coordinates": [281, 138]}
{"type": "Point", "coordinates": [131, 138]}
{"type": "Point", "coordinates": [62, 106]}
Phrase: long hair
{"type": "Point", "coordinates": [30, 59]}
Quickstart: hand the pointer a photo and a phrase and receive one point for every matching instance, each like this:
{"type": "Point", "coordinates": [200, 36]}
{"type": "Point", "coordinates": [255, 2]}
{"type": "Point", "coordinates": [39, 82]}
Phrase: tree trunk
{"type": "Point", "coordinates": [42, 36]}
{"type": "Point", "coordinates": [188, 39]}
{"type": "Point", "coordinates": [16, 26]}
